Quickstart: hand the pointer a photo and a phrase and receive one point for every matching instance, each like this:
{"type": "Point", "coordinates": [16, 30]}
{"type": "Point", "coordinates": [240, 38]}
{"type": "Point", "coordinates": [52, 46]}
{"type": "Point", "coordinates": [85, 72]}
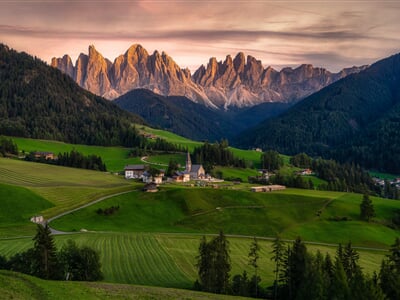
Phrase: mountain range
{"type": "Point", "coordinates": [236, 82]}
{"type": "Point", "coordinates": [356, 119]}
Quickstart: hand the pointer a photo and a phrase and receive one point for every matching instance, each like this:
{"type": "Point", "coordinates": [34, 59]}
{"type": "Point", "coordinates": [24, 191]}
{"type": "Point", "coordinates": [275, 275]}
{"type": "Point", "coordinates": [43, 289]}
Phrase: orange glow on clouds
{"type": "Point", "coordinates": [332, 34]}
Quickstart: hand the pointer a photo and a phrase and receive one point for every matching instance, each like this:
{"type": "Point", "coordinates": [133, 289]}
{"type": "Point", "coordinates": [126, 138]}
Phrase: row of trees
{"type": "Point", "coordinates": [43, 260]}
{"type": "Point", "coordinates": [339, 177]}
{"type": "Point", "coordinates": [298, 273]}
{"type": "Point", "coordinates": [73, 159]}
{"type": "Point", "coordinates": [219, 154]}
{"type": "Point", "coordinates": [7, 146]}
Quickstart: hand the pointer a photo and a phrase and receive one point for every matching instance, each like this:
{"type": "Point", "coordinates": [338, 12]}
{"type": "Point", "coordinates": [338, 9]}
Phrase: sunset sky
{"type": "Point", "coordinates": [331, 34]}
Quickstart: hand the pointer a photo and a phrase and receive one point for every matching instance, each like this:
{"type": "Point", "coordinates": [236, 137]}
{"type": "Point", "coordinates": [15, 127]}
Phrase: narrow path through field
{"type": "Point", "coordinates": [54, 231]}
{"type": "Point", "coordinates": [144, 159]}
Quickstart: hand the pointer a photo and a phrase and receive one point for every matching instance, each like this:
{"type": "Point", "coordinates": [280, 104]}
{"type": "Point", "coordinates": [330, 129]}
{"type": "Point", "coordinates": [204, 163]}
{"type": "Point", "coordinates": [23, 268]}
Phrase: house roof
{"type": "Point", "coordinates": [134, 167]}
{"type": "Point", "coordinates": [196, 168]}
{"type": "Point", "coordinates": [42, 153]}
{"type": "Point", "coordinates": [179, 173]}
{"type": "Point", "coordinates": [150, 186]}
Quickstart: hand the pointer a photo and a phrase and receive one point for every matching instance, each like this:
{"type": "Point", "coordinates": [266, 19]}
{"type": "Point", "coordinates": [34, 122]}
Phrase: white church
{"type": "Point", "coordinates": [195, 171]}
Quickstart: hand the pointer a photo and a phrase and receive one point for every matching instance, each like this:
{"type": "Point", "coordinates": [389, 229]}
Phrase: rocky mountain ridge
{"type": "Point", "coordinates": [237, 82]}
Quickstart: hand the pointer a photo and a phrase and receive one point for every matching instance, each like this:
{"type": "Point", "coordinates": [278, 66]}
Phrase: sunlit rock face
{"type": "Point", "coordinates": [238, 82]}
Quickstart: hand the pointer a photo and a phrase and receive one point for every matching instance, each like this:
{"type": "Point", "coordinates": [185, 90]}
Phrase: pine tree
{"type": "Point", "coordinates": [213, 264]}
{"type": "Point", "coordinates": [222, 263]}
{"type": "Point", "coordinates": [253, 260]}
{"type": "Point", "coordinates": [277, 256]}
{"type": "Point", "coordinates": [350, 261]}
{"type": "Point", "coordinates": [294, 267]}
{"type": "Point", "coordinates": [339, 288]}
{"type": "Point", "coordinates": [394, 255]}
{"type": "Point", "coordinates": [204, 262]}
{"type": "Point", "coordinates": [390, 272]}
{"type": "Point", "coordinates": [315, 283]}
{"type": "Point", "coordinates": [367, 210]}
{"type": "Point", "coordinates": [45, 261]}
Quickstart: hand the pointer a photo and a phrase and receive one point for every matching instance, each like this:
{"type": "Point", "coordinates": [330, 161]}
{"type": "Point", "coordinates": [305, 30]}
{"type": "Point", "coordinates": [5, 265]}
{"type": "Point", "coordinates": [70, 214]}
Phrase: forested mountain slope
{"type": "Point", "coordinates": [356, 119]}
{"type": "Point", "coordinates": [39, 101]}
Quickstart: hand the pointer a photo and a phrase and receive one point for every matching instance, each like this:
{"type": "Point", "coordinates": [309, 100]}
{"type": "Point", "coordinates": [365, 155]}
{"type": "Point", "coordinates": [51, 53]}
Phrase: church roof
{"type": "Point", "coordinates": [134, 167]}
{"type": "Point", "coordinates": [196, 168]}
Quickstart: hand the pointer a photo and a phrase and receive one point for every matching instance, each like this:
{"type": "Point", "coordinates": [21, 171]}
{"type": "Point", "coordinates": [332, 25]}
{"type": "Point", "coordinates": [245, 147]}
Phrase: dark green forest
{"type": "Point", "coordinates": [298, 273]}
{"type": "Point", "coordinates": [354, 120]}
{"type": "Point", "coordinates": [192, 120]}
{"type": "Point", "coordinates": [38, 101]}
{"type": "Point", "coordinates": [210, 155]}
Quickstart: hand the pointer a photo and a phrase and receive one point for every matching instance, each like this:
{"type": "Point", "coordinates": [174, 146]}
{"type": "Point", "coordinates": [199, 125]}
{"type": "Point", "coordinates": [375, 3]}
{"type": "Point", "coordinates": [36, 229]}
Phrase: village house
{"type": "Point", "coordinates": [267, 188]}
{"type": "Point", "coordinates": [195, 171]}
{"type": "Point", "coordinates": [181, 177]}
{"type": "Point", "coordinates": [157, 179]}
{"type": "Point", "coordinates": [148, 178]}
{"type": "Point", "coordinates": [37, 219]}
{"type": "Point", "coordinates": [305, 172]}
{"type": "Point", "coordinates": [134, 171]}
{"type": "Point", "coordinates": [42, 154]}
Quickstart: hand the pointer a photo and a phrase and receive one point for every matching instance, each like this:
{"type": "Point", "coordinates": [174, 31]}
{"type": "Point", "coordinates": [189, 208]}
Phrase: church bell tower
{"type": "Point", "coordinates": [188, 163]}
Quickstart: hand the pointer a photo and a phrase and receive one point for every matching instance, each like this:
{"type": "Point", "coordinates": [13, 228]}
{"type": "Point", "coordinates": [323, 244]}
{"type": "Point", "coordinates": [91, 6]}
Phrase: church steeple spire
{"type": "Point", "coordinates": [188, 163]}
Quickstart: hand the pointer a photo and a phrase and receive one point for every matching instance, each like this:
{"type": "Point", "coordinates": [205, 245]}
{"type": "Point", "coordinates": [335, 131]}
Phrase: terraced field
{"type": "Point", "coordinates": [169, 260]}
{"type": "Point", "coordinates": [65, 188]}
{"type": "Point", "coordinates": [133, 244]}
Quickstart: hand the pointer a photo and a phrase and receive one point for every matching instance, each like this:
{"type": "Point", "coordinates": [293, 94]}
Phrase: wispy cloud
{"type": "Point", "coordinates": [326, 33]}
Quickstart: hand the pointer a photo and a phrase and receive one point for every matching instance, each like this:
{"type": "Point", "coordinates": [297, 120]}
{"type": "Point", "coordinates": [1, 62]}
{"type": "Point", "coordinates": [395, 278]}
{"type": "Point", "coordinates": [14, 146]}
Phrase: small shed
{"type": "Point", "coordinates": [150, 187]}
{"type": "Point", "coordinates": [37, 219]}
{"type": "Point", "coordinates": [43, 154]}
{"type": "Point", "coordinates": [268, 188]}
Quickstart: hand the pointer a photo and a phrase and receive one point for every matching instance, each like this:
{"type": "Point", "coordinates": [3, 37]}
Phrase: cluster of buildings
{"type": "Point", "coordinates": [191, 172]}
{"type": "Point", "coordinates": [381, 182]}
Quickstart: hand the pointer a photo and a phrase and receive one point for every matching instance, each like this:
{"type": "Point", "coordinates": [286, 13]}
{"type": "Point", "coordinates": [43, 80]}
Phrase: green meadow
{"type": "Point", "coordinates": [23, 287]}
{"type": "Point", "coordinates": [65, 188]}
{"type": "Point", "coordinates": [153, 238]}
{"type": "Point", "coordinates": [168, 260]}
{"type": "Point", "coordinates": [115, 158]}
{"type": "Point", "coordinates": [290, 213]}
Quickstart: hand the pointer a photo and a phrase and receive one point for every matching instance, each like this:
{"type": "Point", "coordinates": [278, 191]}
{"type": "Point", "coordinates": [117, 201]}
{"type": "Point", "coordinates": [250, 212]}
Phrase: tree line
{"type": "Point", "coordinates": [71, 262]}
{"type": "Point", "coordinates": [72, 159]}
{"type": "Point", "coordinates": [159, 144]}
{"type": "Point", "coordinates": [210, 155]}
{"type": "Point", "coordinates": [339, 177]}
{"type": "Point", "coordinates": [298, 273]}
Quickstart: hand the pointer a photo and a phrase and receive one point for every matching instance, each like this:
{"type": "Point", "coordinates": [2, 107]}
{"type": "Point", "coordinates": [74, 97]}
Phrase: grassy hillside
{"type": "Point", "coordinates": [134, 246]}
{"type": "Point", "coordinates": [169, 259]}
{"type": "Point", "coordinates": [289, 213]}
{"type": "Point", "coordinates": [18, 205]}
{"type": "Point", "coordinates": [115, 158]}
{"type": "Point", "coordinates": [248, 155]}
{"type": "Point", "coordinates": [65, 188]}
{"type": "Point", "coordinates": [19, 286]}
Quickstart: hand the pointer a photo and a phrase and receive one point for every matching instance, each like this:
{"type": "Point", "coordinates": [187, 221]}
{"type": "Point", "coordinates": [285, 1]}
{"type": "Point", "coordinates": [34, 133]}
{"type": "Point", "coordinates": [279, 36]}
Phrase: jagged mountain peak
{"type": "Point", "coordinates": [237, 81]}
